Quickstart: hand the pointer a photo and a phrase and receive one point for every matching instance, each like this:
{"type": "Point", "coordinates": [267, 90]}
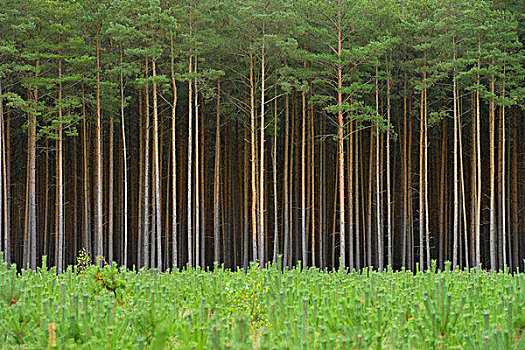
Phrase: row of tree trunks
{"type": "Point", "coordinates": [368, 186]}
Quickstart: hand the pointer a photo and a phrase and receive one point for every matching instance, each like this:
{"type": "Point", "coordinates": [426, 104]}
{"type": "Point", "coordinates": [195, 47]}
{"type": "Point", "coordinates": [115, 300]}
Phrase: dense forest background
{"type": "Point", "coordinates": [354, 133]}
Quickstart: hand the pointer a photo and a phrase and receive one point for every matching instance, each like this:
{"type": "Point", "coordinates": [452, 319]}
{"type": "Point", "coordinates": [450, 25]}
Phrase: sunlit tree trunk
{"type": "Point", "coordinates": [31, 244]}
{"type": "Point", "coordinates": [111, 190]}
{"type": "Point", "coordinates": [390, 252]}
{"type": "Point", "coordinates": [378, 175]}
{"type": "Point", "coordinates": [146, 197]}
{"type": "Point", "coordinates": [371, 166]}
{"type": "Point", "coordinates": [425, 172]}
{"type": "Point", "coordinates": [190, 165]}
{"type": "Point", "coordinates": [404, 238]}
{"type": "Point", "coordinates": [503, 197]}
{"type": "Point", "coordinates": [99, 187]}
{"type": "Point", "coordinates": [262, 210]}
{"type": "Point", "coordinates": [515, 195]}
{"type": "Point", "coordinates": [246, 209]}
{"type": "Point", "coordinates": [340, 144]}
{"type": "Point", "coordinates": [253, 161]}
{"type": "Point", "coordinates": [304, 233]}
{"type": "Point", "coordinates": [125, 160]}
{"type": "Point", "coordinates": [274, 175]}
{"type": "Point", "coordinates": [311, 176]}
{"type": "Point", "coordinates": [216, 183]}
{"type": "Point", "coordinates": [197, 169]}
{"type": "Point", "coordinates": [456, 175]}
{"type": "Point", "coordinates": [477, 222]}
{"type": "Point", "coordinates": [350, 179]}
{"type": "Point", "coordinates": [59, 247]}
{"type": "Point", "coordinates": [286, 223]}
{"type": "Point", "coordinates": [442, 190]}
{"type": "Point", "coordinates": [86, 241]}
{"type": "Point", "coordinates": [492, 208]}
{"type": "Point", "coordinates": [174, 223]}
{"type": "Point", "coordinates": [357, 198]}
{"type": "Point", "coordinates": [5, 179]}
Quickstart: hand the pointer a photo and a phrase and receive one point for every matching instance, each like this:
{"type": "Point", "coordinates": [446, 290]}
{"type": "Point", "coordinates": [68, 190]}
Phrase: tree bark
{"type": "Point", "coordinates": [216, 183]}
{"type": "Point", "coordinates": [99, 190]}
{"type": "Point", "coordinates": [146, 218]}
{"type": "Point", "coordinates": [286, 223]}
{"type": "Point", "coordinates": [59, 247]}
{"type": "Point", "coordinates": [190, 164]}
{"type": "Point", "coordinates": [125, 160]}
{"type": "Point", "coordinates": [492, 229]}
{"type": "Point", "coordinates": [340, 144]}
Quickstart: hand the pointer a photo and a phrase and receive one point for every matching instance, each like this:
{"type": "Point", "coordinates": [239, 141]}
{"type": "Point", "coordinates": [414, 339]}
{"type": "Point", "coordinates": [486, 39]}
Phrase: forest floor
{"type": "Point", "coordinates": [112, 308]}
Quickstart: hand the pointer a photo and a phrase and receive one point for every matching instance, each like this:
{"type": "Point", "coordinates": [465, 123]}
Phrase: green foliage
{"type": "Point", "coordinates": [99, 279]}
{"type": "Point", "coordinates": [260, 308]}
{"type": "Point", "coordinates": [83, 261]}
{"type": "Point", "coordinates": [246, 299]}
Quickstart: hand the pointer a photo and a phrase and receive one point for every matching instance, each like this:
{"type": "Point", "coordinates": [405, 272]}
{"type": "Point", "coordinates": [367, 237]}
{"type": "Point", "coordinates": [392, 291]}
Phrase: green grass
{"type": "Point", "coordinates": [109, 308]}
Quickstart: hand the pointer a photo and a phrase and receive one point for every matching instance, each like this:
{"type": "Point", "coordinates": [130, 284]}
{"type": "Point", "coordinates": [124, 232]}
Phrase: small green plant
{"type": "Point", "coordinates": [105, 279]}
{"type": "Point", "coordinates": [441, 313]}
{"type": "Point", "coordinates": [83, 261]}
{"type": "Point", "coordinates": [100, 279]}
{"type": "Point", "coordinates": [248, 299]}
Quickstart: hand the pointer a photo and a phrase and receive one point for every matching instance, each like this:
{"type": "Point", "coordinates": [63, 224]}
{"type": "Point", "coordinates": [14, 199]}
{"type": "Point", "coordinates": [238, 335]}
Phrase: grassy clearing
{"type": "Point", "coordinates": [109, 308]}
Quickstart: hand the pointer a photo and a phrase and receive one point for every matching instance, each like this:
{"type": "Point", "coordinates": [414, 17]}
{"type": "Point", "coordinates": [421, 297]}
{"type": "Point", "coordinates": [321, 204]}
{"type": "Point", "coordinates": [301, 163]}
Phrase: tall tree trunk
{"type": "Point", "coordinates": [146, 216]}
{"type": "Point", "coordinates": [473, 180]}
{"type": "Point", "coordinates": [356, 186]}
{"type": "Point", "coordinates": [202, 189]}
{"type": "Point", "coordinates": [262, 240]}
{"type": "Point", "coordinates": [216, 179]}
{"type": "Point", "coordinates": [350, 157]}
{"type": "Point", "coordinates": [274, 173]}
{"type": "Point", "coordinates": [379, 206]}
{"type": "Point", "coordinates": [427, 231]}
{"type": "Point", "coordinates": [59, 247]}
{"type": "Point", "coordinates": [404, 238]}
{"type": "Point", "coordinates": [442, 197]}
{"type": "Point", "coordinates": [503, 198]}
{"type": "Point", "coordinates": [462, 183]}
{"type": "Point", "coordinates": [246, 210]}
{"type": "Point", "coordinates": [422, 145]}
{"type": "Point", "coordinates": [340, 144]}
{"type": "Point", "coordinates": [111, 190]}
{"type": "Point", "coordinates": [156, 164]}
{"type": "Point", "coordinates": [125, 160]}
{"type": "Point", "coordinates": [175, 241]}
{"type": "Point", "coordinates": [304, 234]}
{"type": "Point", "coordinates": [99, 190]}
{"type": "Point", "coordinates": [190, 164]}
{"type": "Point", "coordinates": [197, 169]}
{"type": "Point", "coordinates": [6, 183]}
{"type": "Point", "coordinates": [410, 261]}
{"type": "Point", "coordinates": [286, 223]}
{"type": "Point", "coordinates": [30, 251]}
{"type": "Point", "coordinates": [515, 195]}
{"type": "Point", "coordinates": [478, 166]}
{"type": "Point", "coordinates": [456, 176]}
{"type": "Point", "coordinates": [388, 185]}
{"type": "Point", "coordinates": [371, 165]}
{"type": "Point", "coordinates": [311, 176]}
{"type": "Point", "coordinates": [322, 191]}
{"type": "Point", "coordinates": [492, 229]}
{"type": "Point", "coordinates": [86, 239]}
{"type": "Point", "coordinates": [253, 160]}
